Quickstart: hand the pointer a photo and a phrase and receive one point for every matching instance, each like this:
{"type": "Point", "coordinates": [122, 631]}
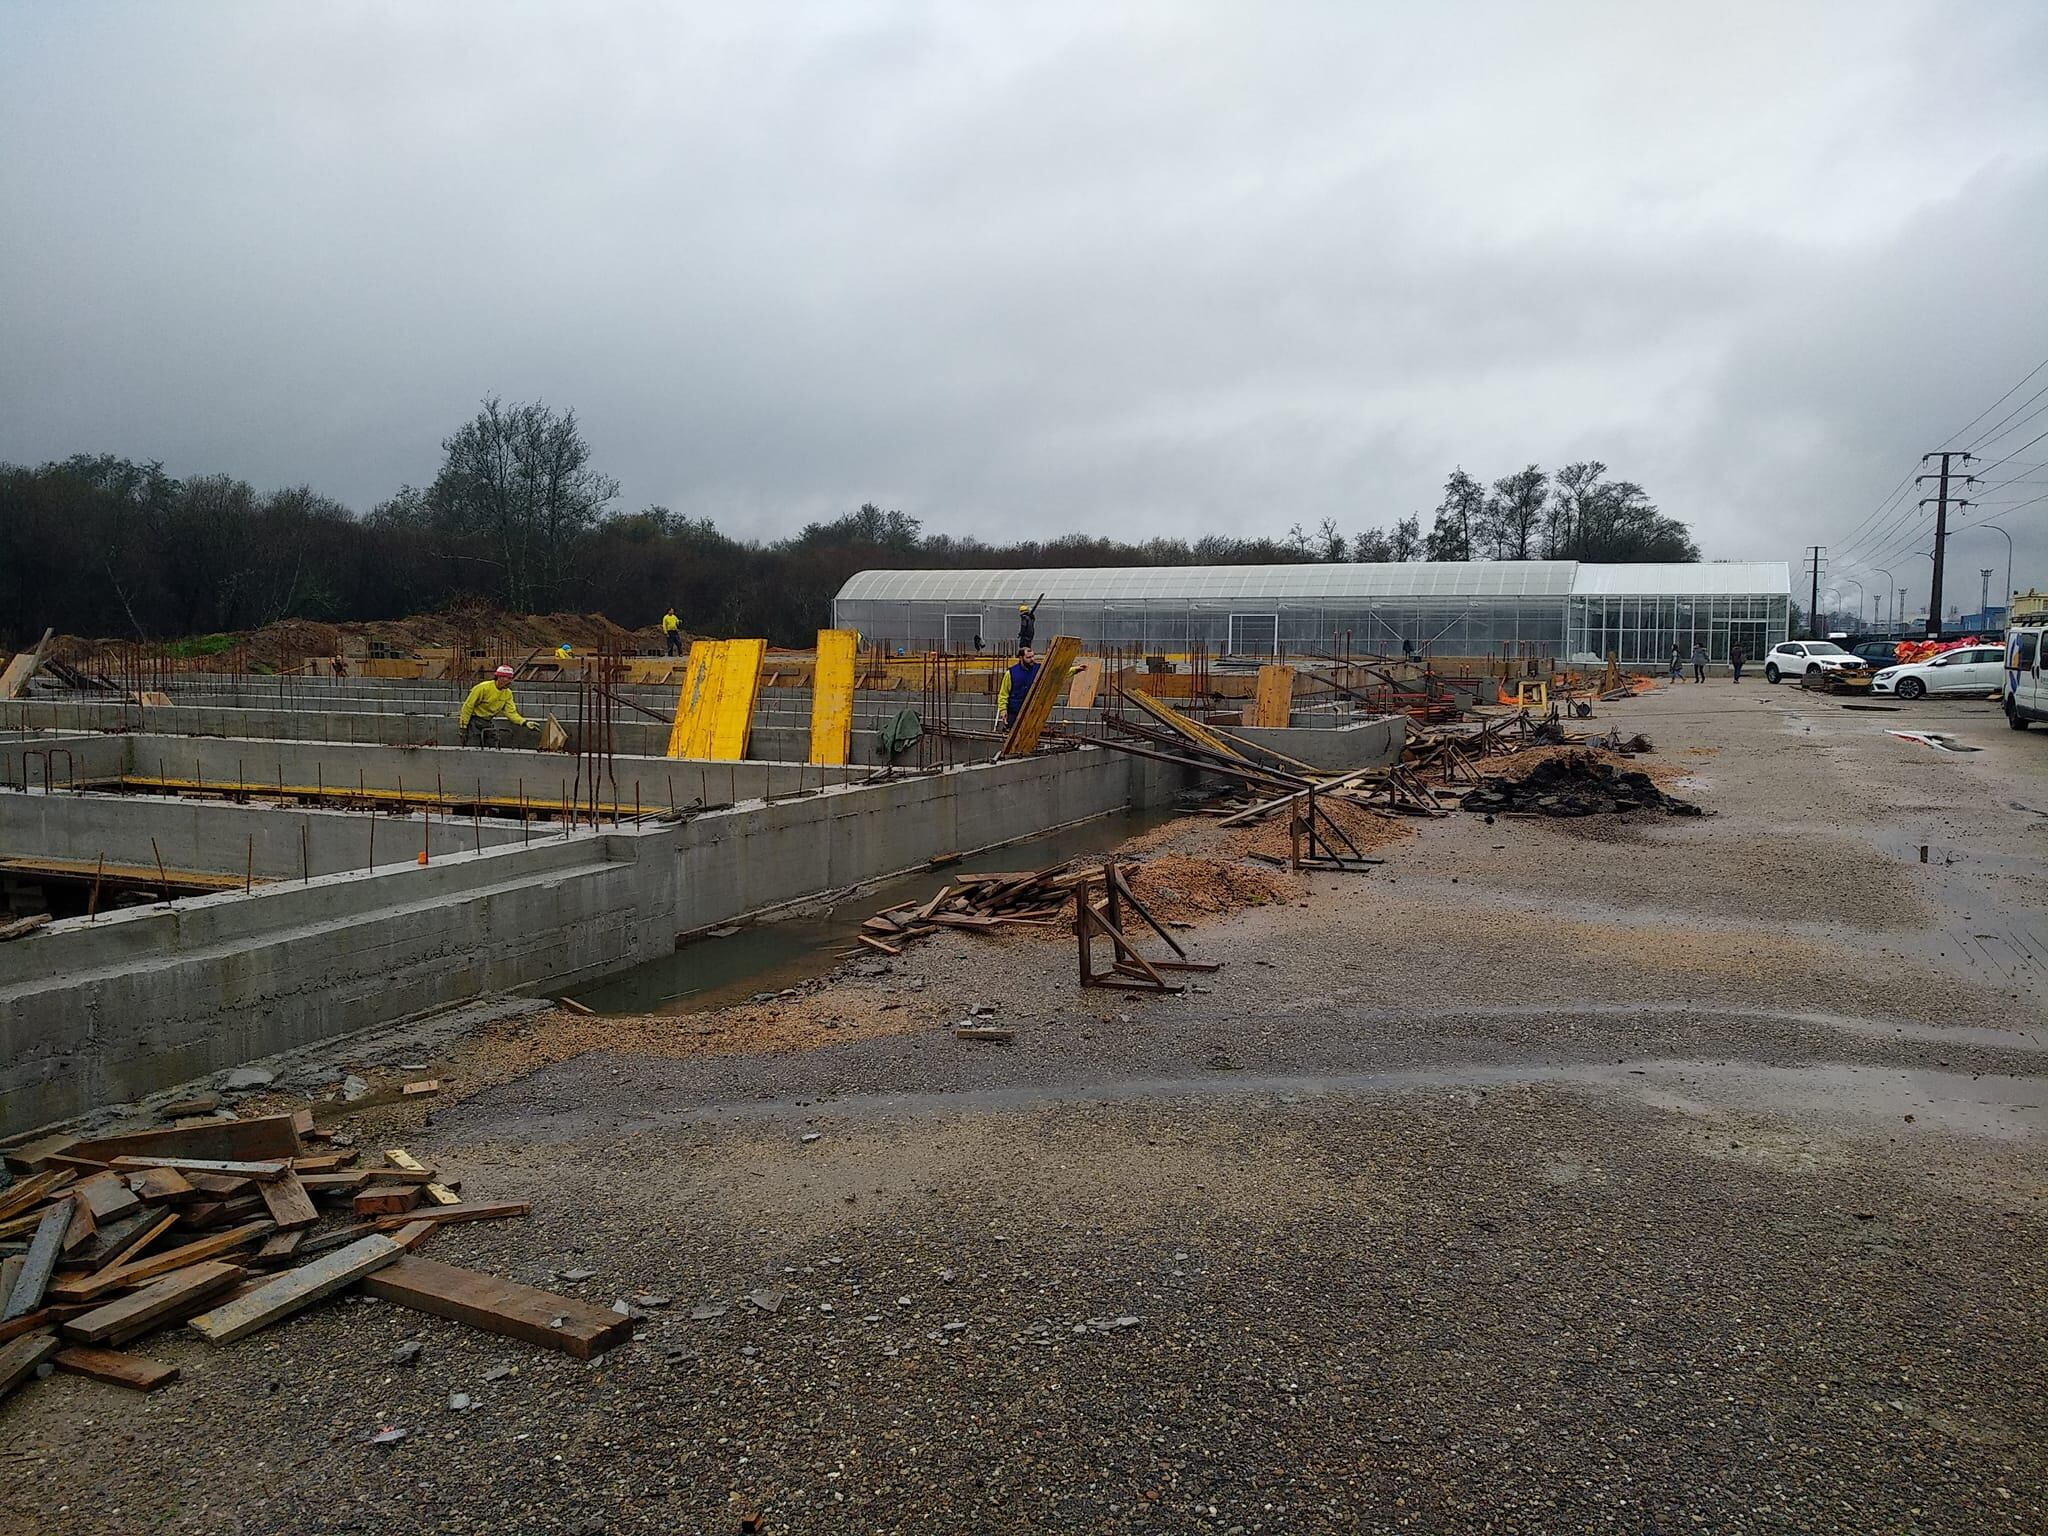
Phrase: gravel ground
{"type": "Point", "coordinates": [1646, 1176]}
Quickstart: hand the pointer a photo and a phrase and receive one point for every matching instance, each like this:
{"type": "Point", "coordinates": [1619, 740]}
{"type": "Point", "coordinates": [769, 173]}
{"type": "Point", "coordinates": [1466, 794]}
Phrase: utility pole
{"type": "Point", "coordinates": [1940, 500]}
{"type": "Point", "coordinates": [1813, 555]}
{"type": "Point", "coordinates": [1984, 594]}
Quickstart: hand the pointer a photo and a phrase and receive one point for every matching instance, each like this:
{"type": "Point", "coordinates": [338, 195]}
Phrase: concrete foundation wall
{"type": "Point", "coordinates": [214, 837]}
{"type": "Point", "coordinates": [106, 1011]}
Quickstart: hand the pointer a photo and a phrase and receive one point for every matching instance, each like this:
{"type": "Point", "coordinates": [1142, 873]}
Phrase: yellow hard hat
{"type": "Point", "coordinates": [1023, 607]}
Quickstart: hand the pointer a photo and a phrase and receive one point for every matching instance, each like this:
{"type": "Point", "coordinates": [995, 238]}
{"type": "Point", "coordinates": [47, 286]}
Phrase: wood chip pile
{"type": "Point", "coordinates": [230, 1226]}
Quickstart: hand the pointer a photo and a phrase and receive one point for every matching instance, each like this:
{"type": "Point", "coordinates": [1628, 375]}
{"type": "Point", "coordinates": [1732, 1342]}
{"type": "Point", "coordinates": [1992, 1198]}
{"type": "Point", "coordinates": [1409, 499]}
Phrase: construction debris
{"type": "Point", "coordinates": [215, 1225]}
{"type": "Point", "coordinates": [1575, 784]}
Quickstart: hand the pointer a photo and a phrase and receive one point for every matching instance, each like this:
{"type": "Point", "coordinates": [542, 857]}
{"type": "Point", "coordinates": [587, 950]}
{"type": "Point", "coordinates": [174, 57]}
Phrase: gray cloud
{"type": "Point", "coordinates": [1129, 268]}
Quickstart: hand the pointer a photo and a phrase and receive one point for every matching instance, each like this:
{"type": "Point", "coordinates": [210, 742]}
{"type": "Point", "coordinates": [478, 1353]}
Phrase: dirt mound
{"type": "Point", "coordinates": [1367, 829]}
{"type": "Point", "coordinates": [1575, 783]}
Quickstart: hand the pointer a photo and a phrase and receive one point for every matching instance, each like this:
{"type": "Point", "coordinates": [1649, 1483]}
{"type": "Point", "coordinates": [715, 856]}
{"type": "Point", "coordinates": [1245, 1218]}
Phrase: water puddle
{"type": "Point", "coordinates": [768, 956]}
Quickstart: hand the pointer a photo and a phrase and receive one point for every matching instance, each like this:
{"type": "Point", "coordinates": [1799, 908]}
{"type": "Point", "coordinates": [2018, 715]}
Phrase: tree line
{"type": "Point", "coordinates": [518, 516]}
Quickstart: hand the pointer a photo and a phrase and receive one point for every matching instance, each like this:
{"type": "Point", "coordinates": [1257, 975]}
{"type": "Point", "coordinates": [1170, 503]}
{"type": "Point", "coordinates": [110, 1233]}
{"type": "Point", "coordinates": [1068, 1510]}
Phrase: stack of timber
{"type": "Point", "coordinates": [229, 1227]}
{"type": "Point", "coordinates": [978, 903]}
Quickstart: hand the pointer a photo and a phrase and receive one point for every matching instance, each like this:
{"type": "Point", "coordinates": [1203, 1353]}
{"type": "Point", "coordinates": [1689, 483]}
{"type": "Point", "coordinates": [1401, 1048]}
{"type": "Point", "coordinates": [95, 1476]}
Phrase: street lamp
{"type": "Point", "coordinates": [1891, 586]}
{"type": "Point", "coordinates": [1859, 598]}
{"type": "Point", "coordinates": [1995, 528]}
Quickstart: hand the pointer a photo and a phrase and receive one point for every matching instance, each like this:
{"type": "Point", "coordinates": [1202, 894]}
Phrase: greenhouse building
{"type": "Point", "coordinates": [1558, 609]}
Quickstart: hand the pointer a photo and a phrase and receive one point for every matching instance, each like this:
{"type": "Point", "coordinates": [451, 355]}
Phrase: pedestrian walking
{"type": "Point", "coordinates": [1677, 661]}
{"type": "Point", "coordinates": [1699, 663]}
{"type": "Point", "coordinates": [1736, 657]}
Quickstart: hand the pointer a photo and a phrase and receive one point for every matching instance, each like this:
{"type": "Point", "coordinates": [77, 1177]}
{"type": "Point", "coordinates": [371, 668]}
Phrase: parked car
{"type": "Point", "coordinates": [1879, 653]}
{"type": "Point", "coordinates": [1969, 669]}
{"type": "Point", "coordinates": [1796, 658]}
{"type": "Point", "coordinates": [2026, 675]}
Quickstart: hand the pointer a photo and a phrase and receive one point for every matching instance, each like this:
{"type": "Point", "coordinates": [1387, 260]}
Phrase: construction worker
{"type": "Point", "coordinates": [1027, 623]}
{"type": "Point", "coordinates": [672, 633]}
{"type": "Point", "coordinates": [487, 709]}
{"type": "Point", "coordinates": [1016, 685]}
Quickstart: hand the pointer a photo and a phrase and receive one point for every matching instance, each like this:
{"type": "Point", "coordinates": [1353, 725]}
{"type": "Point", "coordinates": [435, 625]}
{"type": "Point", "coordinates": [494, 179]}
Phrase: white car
{"type": "Point", "coordinates": [1973, 669]}
{"type": "Point", "coordinates": [1799, 658]}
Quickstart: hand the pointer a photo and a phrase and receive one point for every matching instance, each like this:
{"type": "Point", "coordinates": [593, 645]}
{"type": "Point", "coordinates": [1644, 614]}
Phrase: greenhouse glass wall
{"type": "Point", "coordinates": [1557, 609]}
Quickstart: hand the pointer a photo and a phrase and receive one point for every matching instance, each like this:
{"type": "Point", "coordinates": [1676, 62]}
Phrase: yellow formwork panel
{"type": "Point", "coordinates": [832, 696]}
{"type": "Point", "coordinates": [715, 707]}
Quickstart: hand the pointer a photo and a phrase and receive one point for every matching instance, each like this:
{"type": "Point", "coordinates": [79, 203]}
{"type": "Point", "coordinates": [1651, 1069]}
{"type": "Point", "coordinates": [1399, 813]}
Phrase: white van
{"type": "Point", "coordinates": [2026, 689]}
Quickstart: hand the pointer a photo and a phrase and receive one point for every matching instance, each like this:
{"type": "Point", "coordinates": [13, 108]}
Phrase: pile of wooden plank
{"type": "Point", "coordinates": [978, 903]}
{"type": "Point", "coordinates": [227, 1227]}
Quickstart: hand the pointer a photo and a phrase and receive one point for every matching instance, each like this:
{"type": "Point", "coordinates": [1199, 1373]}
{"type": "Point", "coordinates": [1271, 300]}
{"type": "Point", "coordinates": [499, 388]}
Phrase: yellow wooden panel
{"type": "Point", "coordinates": [1046, 689]}
{"type": "Point", "coordinates": [1087, 683]}
{"type": "Point", "coordinates": [715, 706]}
{"type": "Point", "coordinates": [1273, 704]}
{"type": "Point", "coordinates": [832, 696]}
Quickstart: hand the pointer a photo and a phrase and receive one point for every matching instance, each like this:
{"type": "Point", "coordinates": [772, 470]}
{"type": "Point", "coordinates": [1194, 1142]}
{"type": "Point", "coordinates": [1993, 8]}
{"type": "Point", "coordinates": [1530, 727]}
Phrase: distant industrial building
{"type": "Point", "coordinates": [1561, 609]}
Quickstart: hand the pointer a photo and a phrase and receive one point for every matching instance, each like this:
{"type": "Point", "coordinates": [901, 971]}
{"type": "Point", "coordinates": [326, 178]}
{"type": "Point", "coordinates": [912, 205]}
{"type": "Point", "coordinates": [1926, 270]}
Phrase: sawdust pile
{"type": "Point", "coordinates": [1187, 888]}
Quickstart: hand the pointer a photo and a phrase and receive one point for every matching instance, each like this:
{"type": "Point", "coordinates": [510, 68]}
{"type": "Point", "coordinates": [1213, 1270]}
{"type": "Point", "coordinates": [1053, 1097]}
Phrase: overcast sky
{"type": "Point", "coordinates": [1121, 268]}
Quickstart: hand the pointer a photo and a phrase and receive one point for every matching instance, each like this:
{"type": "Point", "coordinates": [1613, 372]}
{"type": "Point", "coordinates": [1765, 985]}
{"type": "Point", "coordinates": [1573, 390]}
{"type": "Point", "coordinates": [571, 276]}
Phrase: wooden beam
{"type": "Point", "coordinates": [135, 1372]}
{"type": "Point", "coordinates": [43, 1248]}
{"type": "Point", "coordinates": [117, 1277]}
{"type": "Point", "coordinates": [170, 1299]}
{"type": "Point", "coordinates": [162, 1186]}
{"type": "Point", "coordinates": [295, 1289]}
{"type": "Point", "coordinates": [19, 1360]}
{"type": "Point", "coordinates": [267, 1136]}
{"type": "Point", "coordinates": [500, 1306]}
{"type": "Point", "coordinates": [288, 1203]}
{"type": "Point", "coordinates": [109, 1196]}
{"type": "Point", "coordinates": [482, 1210]}
{"type": "Point", "coordinates": [1027, 720]}
{"type": "Point", "coordinates": [387, 1199]}
{"type": "Point", "coordinates": [263, 1172]}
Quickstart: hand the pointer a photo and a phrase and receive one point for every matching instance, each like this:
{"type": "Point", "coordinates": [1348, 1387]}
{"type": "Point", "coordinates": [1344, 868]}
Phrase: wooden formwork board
{"type": "Point", "coordinates": [1028, 719]}
{"type": "Point", "coordinates": [832, 696]}
{"type": "Point", "coordinates": [715, 706]}
{"type": "Point", "coordinates": [1273, 700]}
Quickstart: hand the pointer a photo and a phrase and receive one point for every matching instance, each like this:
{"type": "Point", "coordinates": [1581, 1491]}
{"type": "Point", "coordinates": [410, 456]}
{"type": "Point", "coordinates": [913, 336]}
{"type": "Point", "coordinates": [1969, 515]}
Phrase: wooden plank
{"type": "Point", "coordinates": [10, 1271]}
{"type": "Point", "coordinates": [262, 1172]}
{"type": "Point", "coordinates": [1273, 700]}
{"type": "Point", "coordinates": [421, 1089]}
{"type": "Point", "coordinates": [27, 1293]}
{"type": "Point", "coordinates": [34, 1156]}
{"type": "Point", "coordinates": [18, 1361]}
{"type": "Point", "coordinates": [343, 1181]}
{"type": "Point", "coordinates": [18, 1197]}
{"type": "Point", "coordinates": [500, 1306]}
{"type": "Point", "coordinates": [266, 1136]}
{"type": "Point", "coordinates": [162, 1186]}
{"type": "Point", "coordinates": [218, 1186]}
{"type": "Point", "coordinates": [118, 1277]}
{"type": "Point", "coordinates": [1028, 719]}
{"type": "Point", "coordinates": [170, 1299]}
{"type": "Point", "coordinates": [832, 697]}
{"type": "Point", "coordinates": [1086, 685]}
{"type": "Point", "coordinates": [295, 1289]}
{"type": "Point", "coordinates": [279, 1246]}
{"type": "Point", "coordinates": [482, 1210]}
{"type": "Point", "coordinates": [81, 1231]}
{"type": "Point", "coordinates": [413, 1233]}
{"type": "Point", "coordinates": [135, 1372]}
{"type": "Point", "coordinates": [288, 1203]}
{"type": "Point", "coordinates": [387, 1199]}
{"type": "Point", "coordinates": [322, 1162]}
{"type": "Point", "coordinates": [404, 1162]}
{"type": "Point", "coordinates": [198, 1104]}
{"type": "Point", "coordinates": [109, 1196]}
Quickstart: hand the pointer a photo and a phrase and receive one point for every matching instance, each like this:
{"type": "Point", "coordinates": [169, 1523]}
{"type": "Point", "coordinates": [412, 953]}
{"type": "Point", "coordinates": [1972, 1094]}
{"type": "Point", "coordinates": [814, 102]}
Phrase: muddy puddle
{"type": "Point", "coordinates": [768, 956]}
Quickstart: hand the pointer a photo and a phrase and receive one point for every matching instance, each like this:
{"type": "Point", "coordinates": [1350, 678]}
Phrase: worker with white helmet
{"type": "Point", "coordinates": [488, 709]}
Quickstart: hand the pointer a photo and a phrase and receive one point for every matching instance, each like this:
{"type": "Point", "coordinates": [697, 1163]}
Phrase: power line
{"type": "Point", "coordinates": [2009, 424]}
{"type": "Point", "coordinates": [2023, 447]}
{"type": "Point", "coordinates": [1994, 405]}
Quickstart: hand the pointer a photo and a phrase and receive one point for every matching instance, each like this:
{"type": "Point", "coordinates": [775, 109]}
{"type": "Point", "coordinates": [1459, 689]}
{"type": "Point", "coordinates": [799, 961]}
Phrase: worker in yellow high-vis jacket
{"type": "Point", "coordinates": [487, 711]}
{"type": "Point", "coordinates": [671, 637]}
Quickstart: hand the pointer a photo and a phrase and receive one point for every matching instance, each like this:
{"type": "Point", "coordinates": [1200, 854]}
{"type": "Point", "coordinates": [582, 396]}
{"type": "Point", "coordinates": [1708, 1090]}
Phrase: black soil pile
{"type": "Point", "coordinates": [1576, 784]}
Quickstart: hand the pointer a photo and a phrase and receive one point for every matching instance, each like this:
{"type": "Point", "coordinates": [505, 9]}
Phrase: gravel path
{"type": "Point", "coordinates": [1654, 1176]}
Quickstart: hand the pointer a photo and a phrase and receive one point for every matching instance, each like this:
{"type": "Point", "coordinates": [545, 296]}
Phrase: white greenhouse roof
{"type": "Point", "coordinates": [1712, 578]}
{"type": "Point", "coordinates": [1307, 582]}
{"type": "Point", "coordinates": [1218, 583]}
